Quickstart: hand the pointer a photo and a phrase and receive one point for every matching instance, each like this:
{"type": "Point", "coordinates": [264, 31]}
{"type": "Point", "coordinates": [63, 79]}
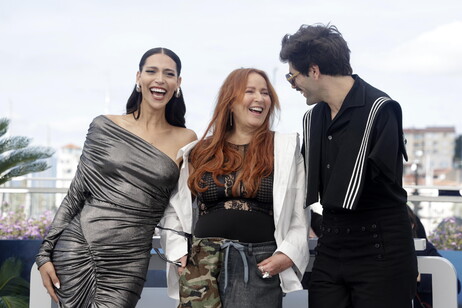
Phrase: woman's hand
{"type": "Point", "coordinates": [183, 261]}
{"type": "Point", "coordinates": [275, 264]}
{"type": "Point", "coordinates": [49, 279]}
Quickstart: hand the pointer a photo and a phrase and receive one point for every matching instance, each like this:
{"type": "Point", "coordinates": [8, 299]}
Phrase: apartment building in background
{"type": "Point", "coordinates": [67, 159]}
{"type": "Point", "coordinates": [431, 155]}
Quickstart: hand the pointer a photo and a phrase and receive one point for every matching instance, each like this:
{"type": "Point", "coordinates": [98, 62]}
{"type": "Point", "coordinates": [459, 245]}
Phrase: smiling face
{"type": "Point", "coordinates": [252, 111]}
{"type": "Point", "coordinates": [305, 84]}
{"type": "Point", "coordinates": [158, 81]}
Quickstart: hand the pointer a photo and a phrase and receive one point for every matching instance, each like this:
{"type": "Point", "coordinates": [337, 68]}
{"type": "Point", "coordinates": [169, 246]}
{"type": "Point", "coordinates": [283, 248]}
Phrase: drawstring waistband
{"type": "Point", "coordinates": [226, 245]}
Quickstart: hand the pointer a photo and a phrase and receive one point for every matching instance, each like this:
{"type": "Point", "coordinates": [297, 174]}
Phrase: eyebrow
{"type": "Point", "coordinates": [165, 69]}
{"type": "Point", "coordinates": [256, 88]}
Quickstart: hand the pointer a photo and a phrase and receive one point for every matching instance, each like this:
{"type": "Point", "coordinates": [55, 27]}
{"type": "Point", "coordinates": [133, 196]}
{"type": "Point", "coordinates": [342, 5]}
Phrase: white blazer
{"type": "Point", "coordinates": [291, 220]}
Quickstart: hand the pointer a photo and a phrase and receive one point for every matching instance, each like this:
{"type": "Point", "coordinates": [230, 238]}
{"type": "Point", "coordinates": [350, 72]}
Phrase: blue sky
{"type": "Point", "coordinates": [62, 63]}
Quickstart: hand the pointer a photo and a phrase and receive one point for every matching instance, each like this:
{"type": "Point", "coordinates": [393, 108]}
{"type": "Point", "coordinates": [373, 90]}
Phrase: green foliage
{"type": "Point", "coordinates": [448, 234]}
{"type": "Point", "coordinates": [14, 290]}
{"type": "Point", "coordinates": [17, 157]}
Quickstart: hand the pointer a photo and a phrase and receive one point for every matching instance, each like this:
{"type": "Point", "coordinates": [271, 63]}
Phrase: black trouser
{"type": "Point", "coordinates": [364, 259]}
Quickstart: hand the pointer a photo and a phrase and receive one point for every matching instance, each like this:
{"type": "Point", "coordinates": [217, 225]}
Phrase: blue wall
{"type": "Point", "coordinates": [25, 250]}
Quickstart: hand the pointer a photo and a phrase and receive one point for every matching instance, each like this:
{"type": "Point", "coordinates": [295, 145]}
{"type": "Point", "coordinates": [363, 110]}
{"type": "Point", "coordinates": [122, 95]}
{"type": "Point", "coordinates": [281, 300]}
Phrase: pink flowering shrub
{"type": "Point", "coordinates": [448, 234]}
{"type": "Point", "coordinates": [15, 226]}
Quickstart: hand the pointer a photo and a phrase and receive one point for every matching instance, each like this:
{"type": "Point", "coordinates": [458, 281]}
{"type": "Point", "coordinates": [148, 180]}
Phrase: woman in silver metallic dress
{"type": "Point", "coordinates": [97, 251]}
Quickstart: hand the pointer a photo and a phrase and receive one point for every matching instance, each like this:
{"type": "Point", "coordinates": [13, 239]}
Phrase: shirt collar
{"type": "Point", "coordinates": [355, 97]}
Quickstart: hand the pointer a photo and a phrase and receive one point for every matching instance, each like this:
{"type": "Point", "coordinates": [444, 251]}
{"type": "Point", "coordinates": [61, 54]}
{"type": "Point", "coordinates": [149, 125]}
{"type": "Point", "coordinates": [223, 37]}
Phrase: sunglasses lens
{"type": "Point", "coordinates": [290, 78]}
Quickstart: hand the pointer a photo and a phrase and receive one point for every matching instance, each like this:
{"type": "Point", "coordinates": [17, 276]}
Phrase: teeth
{"type": "Point", "coordinates": [157, 90]}
{"type": "Point", "coordinates": [256, 109]}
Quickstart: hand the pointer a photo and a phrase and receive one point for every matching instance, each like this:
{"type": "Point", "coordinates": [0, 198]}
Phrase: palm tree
{"type": "Point", "coordinates": [17, 157]}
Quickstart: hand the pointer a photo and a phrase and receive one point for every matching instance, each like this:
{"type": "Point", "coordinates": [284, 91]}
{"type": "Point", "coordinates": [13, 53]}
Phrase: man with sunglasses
{"type": "Point", "coordinates": [353, 148]}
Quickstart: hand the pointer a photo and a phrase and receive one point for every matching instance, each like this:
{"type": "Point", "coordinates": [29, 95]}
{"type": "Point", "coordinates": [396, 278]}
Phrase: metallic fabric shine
{"type": "Point", "coordinates": [100, 239]}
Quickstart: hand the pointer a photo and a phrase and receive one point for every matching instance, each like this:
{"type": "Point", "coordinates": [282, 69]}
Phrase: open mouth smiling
{"type": "Point", "coordinates": [258, 110]}
{"type": "Point", "coordinates": [158, 91]}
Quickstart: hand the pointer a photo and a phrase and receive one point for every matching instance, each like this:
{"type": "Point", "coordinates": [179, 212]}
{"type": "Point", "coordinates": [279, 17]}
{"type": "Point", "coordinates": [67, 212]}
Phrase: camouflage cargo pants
{"type": "Point", "coordinates": [198, 282]}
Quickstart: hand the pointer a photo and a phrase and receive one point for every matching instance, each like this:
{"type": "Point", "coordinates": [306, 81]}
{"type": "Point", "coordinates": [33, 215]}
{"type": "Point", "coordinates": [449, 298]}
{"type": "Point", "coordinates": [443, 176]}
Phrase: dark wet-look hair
{"type": "Point", "coordinates": [176, 108]}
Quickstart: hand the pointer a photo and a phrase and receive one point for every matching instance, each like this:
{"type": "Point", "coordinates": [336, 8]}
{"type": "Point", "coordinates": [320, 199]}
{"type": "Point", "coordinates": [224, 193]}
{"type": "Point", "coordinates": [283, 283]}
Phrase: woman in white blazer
{"type": "Point", "coordinates": [251, 206]}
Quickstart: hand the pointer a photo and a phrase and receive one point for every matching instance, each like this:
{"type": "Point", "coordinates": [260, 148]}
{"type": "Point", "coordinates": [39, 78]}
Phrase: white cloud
{"type": "Point", "coordinates": [436, 51]}
{"type": "Point", "coordinates": [58, 60]}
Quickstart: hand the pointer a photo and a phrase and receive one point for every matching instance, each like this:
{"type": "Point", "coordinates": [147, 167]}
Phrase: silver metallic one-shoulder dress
{"type": "Point", "coordinates": [100, 239]}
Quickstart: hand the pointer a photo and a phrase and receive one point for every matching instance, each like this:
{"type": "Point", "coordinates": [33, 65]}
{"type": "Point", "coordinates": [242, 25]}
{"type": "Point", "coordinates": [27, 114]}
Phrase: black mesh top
{"type": "Point", "coordinates": [237, 217]}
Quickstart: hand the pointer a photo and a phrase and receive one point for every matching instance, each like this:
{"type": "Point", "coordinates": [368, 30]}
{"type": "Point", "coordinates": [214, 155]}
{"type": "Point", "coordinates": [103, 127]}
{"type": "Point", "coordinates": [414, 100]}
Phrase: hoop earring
{"type": "Point", "coordinates": [231, 119]}
{"type": "Point", "coordinates": [138, 88]}
{"type": "Point", "coordinates": [178, 93]}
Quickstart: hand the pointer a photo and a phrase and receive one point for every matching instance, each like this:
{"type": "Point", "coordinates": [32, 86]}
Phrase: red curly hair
{"type": "Point", "coordinates": [211, 153]}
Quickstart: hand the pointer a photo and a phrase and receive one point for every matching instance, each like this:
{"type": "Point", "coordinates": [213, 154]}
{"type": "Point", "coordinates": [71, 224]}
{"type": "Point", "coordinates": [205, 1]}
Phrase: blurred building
{"type": "Point", "coordinates": [67, 159]}
{"type": "Point", "coordinates": [431, 155]}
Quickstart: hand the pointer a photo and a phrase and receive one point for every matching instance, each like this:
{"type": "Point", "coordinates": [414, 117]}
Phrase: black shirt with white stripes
{"type": "Point", "coordinates": [384, 162]}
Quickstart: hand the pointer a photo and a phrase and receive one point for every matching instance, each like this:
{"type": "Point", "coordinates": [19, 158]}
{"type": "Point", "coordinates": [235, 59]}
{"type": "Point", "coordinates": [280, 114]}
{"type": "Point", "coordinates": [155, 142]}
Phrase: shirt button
{"type": "Point", "coordinates": [328, 166]}
{"type": "Point", "coordinates": [329, 137]}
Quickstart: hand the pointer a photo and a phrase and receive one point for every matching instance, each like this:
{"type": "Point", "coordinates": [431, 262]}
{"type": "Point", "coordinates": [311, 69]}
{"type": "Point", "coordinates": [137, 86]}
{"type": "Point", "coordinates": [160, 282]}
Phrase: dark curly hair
{"type": "Point", "coordinates": [318, 44]}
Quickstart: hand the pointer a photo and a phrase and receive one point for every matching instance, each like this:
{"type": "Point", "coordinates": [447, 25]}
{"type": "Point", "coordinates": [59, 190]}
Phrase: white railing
{"type": "Point", "coordinates": [36, 195]}
{"type": "Point", "coordinates": [434, 203]}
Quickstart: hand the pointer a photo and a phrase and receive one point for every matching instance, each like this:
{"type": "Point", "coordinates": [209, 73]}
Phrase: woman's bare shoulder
{"type": "Point", "coordinates": [185, 135]}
